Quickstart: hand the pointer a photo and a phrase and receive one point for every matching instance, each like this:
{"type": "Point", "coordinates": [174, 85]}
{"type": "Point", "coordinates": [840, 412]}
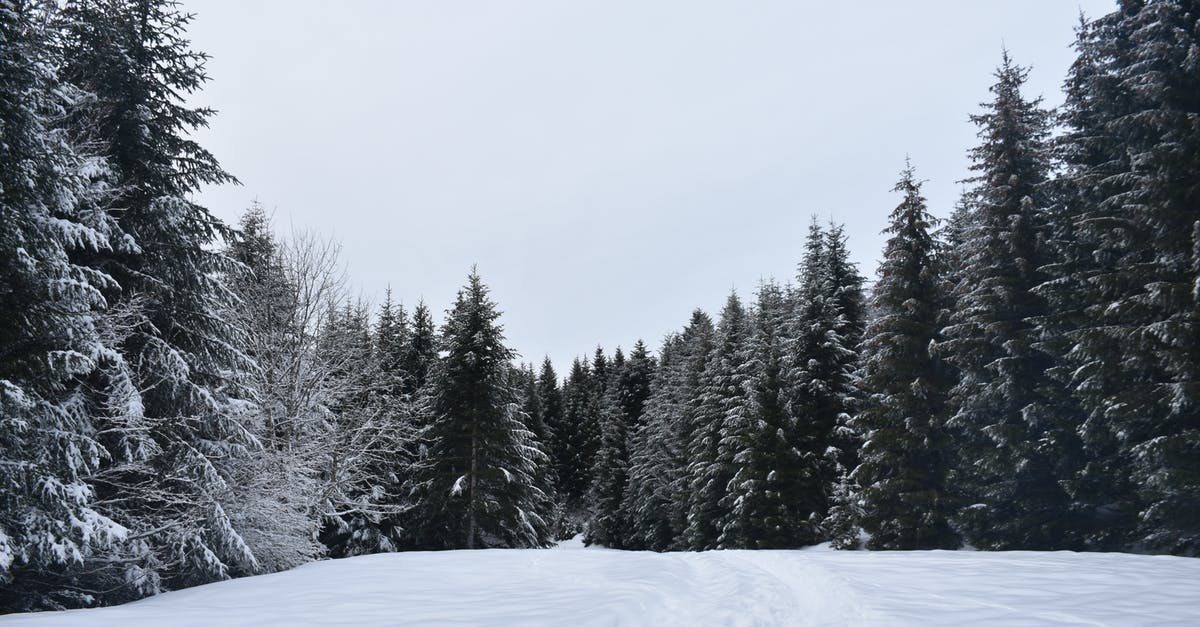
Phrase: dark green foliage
{"type": "Point", "coordinates": [905, 460]}
{"type": "Point", "coordinates": [559, 443]}
{"type": "Point", "coordinates": [759, 509]}
{"type": "Point", "coordinates": [656, 498]}
{"type": "Point", "coordinates": [607, 523]}
{"type": "Point", "coordinates": [652, 448]}
{"type": "Point", "coordinates": [721, 397]}
{"type": "Point", "coordinates": [52, 333]}
{"type": "Point", "coordinates": [134, 60]}
{"type": "Point", "coordinates": [477, 486]}
{"type": "Point", "coordinates": [578, 432]}
{"type": "Point", "coordinates": [420, 350]}
{"type": "Point", "coordinates": [1012, 424]}
{"type": "Point", "coordinates": [819, 370]}
{"type": "Point", "coordinates": [1125, 281]}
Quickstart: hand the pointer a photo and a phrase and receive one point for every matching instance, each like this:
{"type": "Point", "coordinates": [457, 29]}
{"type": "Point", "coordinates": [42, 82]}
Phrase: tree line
{"type": "Point", "coordinates": [183, 401]}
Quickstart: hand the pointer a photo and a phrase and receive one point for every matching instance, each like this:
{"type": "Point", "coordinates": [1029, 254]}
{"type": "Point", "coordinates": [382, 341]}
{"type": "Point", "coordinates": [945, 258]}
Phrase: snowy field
{"type": "Point", "coordinates": [565, 586]}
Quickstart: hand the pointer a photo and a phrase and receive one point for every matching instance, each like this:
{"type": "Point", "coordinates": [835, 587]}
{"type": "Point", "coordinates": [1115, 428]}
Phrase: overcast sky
{"type": "Point", "coordinates": [609, 165]}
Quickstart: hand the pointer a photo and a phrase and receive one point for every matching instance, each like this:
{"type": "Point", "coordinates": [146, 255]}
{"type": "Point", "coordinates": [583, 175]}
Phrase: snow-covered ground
{"type": "Point", "coordinates": [566, 586]}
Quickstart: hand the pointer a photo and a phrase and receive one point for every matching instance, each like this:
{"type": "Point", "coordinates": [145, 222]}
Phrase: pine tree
{"type": "Point", "coordinates": [576, 432]}
{"type": "Point", "coordinates": [53, 338]}
{"type": "Point", "coordinates": [846, 292]}
{"type": "Point", "coordinates": [607, 523]}
{"type": "Point", "coordinates": [635, 380]}
{"type": "Point", "coordinates": [546, 479]}
{"type": "Point", "coordinates": [1124, 286]}
{"type": "Point", "coordinates": [477, 487]}
{"type": "Point", "coordinates": [420, 350]}
{"type": "Point", "coordinates": [367, 454]}
{"type": "Point", "coordinates": [591, 429]}
{"type": "Point", "coordinates": [656, 494]}
{"type": "Point", "coordinates": [905, 460]}
{"type": "Point", "coordinates": [172, 490]}
{"type": "Point", "coordinates": [652, 451]}
{"type": "Point", "coordinates": [559, 445]}
{"type": "Point", "coordinates": [768, 471]}
{"type": "Point", "coordinates": [819, 369]}
{"type": "Point", "coordinates": [721, 394]}
{"type": "Point", "coordinates": [1011, 423]}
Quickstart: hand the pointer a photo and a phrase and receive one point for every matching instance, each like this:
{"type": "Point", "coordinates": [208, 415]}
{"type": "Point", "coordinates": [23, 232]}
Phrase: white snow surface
{"type": "Point", "coordinates": [569, 586]}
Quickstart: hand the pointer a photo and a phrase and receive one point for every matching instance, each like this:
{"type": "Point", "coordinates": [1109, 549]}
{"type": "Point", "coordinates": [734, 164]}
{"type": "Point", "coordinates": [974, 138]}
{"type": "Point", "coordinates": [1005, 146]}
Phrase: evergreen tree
{"type": "Point", "coordinates": [559, 444]}
{"type": "Point", "coordinates": [546, 480]}
{"type": "Point", "coordinates": [767, 470]}
{"type": "Point", "coordinates": [54, 347]}
{"type": "Point", "coordinates": [364, 467]}
{"type": "Point", "coordinates": [905, 460]}
{"type": "Point", "coordinates": [478, 487]}
{"type": "Point", "coordinates": [1123, 287]}
{"type": "Point", "coordinates": [420, 350]}
{"type": "Point", "coordinates": [656, 495]}
{"type": "Point", "coordinates": [591, 430]}
{"type": "Point", "coordinates": [721, 395]}
{"type": "Point", "coordinates": [134, 60]}
{"type": "Point", "coordinates": [607, 525]}
{"type": "Point", "coordinates": [576, 433]}
{"type": "Point", "coordinates": [819, 369]}
{"type": "Point", "coordinates": [1012, 426]}
{"type": "Point", "coordinates": [845, 289]}
{"type": "Point", "coordinates": [652, 451]}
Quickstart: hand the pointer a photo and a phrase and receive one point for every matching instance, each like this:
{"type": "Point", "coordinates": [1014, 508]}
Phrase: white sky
{"type": "Point", "coordinates": [610, 165]}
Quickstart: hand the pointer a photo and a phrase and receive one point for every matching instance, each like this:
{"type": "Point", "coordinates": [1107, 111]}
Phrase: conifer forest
{"type": "Point", "coordinates": [184, 401]}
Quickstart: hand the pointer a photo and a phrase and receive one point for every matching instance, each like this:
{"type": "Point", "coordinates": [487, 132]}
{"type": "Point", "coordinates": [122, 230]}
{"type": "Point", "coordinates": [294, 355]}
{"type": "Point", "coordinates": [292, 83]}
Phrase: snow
{"type": "Point", "coordinates": [572, 585]}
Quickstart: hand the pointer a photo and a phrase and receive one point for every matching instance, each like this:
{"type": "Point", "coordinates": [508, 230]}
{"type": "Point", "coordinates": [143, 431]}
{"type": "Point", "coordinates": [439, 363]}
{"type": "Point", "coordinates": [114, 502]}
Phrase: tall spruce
{"type": "Point", "coordinates": [577, 433]}
{"type": "Point", "coordinates": [820, 376]}
{"type": "Point", "coordinates": [420, 350]}
{"type": "Point", "coordinates": [720, 397]}
{"type": "Point", "coordinates": [757, 441]}
{"type": "Point", "coordinates": [477, 488]}
{"type": "Point", "coordinates": [905, 459]}
{"type": "Point", "coordinates": [1124, 287]}
{"type": "Point", "coordinates": [133, 57]}
{"type": "Point", "coordinates": [607, 523]}
{"type": "Point", "coordinates": [58, 366]}
{"type": "Point", "coordinates": [559, 444]}
{"type": "Point", "coordinates": [1011, 423]}
{"type": "Point", "coordinates": [652, 450]}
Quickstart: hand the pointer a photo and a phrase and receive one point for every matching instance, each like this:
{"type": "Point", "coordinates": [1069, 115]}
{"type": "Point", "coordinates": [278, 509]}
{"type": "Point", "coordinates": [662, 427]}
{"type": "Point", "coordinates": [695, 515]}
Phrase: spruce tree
{"type": "Point", "coordinates": [607, 523]}
{"type": "Point", "coordinates": [576, 433]}
{"type": "Point", "coordinates": [652, 451]}
{"type": "Point", "coordinates": [546, 480]}
{"type": "Point", "coordinates": [365, 464]}
{"type": "Point", "coordinates": [720, 396]}
{"type": "Point", "coordinates": [133, 58]}
{"type": "Point", "coordinates": [634, 382]}
{"type": "Point", "coordinates": [558, 441]}
{"type": "Point", "coordinates": [656, 497]}
{"type": "Point", "coordinates": [420, 350]}
{"type": "Point", "coordinates": [477, 488]}
{"type": "Point", "coordinates": [1124, 284]}
{"type": "Point", "coordinates": [820, 374]}
{"type": "Point", "coordinates": [905, 460]}
{"type": "Point", "coordinates": [54, 345]}
{"type": "Point", "coordinates": [1011, 423]}
{"type": "Point", "coordinates": [762, 507]}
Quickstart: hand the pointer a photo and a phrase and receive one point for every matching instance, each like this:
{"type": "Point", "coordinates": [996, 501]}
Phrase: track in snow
{"type": "Point", "coordinates": [602, 587]}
